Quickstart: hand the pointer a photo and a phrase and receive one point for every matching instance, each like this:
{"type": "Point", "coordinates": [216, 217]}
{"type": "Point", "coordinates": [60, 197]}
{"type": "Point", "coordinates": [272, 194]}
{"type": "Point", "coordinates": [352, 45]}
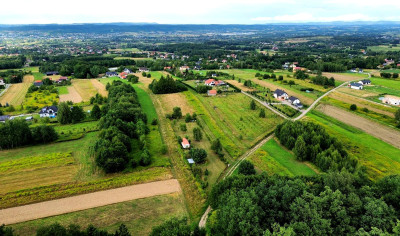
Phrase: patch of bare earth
{"type": "Point", "coordinates": [341, 77]}
{"type": "Point", "coordinates": [72, 96]}
{"type": "Point", "coordinates": [169, 101]}
{"type": "Point", "coordinates": [384, 133]}
{"type": "Point", "coordinates": [101, 88]}
{"type": "Point", "coordinates": [87, 201]}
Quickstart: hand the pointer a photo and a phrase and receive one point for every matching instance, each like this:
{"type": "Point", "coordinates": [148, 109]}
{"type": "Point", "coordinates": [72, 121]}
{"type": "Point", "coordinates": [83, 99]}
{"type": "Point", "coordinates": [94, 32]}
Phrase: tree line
{"type": "Point", "coordinates": [166, 85]}
{"type": "Point", "coordinates": [122, 120]}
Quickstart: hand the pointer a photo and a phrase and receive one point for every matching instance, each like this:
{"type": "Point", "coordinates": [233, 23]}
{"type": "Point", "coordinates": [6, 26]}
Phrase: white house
{"type": "Point", "coordinates": [295, 101]}
{"type": "Point", "coordinates": [392, 100]}
{"type": "Point", "coordinates": [280, 94]}
{"type": "Point", "coordinates": [185, 143]}
{"type": "Point", "coordinates": [50, 111]}
{"type": "Point", "coordinates": [143, 69]}
{"type": "Point", "coordinates": [213, 82]}
{"type": "Point", "coordinates": [358, 86]}
{"type": "Point", "coordinates": [2, 82]}
{"type": "Point", "coordinates": [128, 71]}
{"type": "Point", "coordinates": [182, 68]}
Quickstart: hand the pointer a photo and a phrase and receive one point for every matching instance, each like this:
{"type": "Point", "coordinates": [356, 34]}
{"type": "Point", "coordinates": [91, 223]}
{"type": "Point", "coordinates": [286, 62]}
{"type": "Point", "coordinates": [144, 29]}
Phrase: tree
{"type": "Point", "coordinates": [253, 105]}
{"type": "Point", "coordinates": [262, 113]}
{"type": "Point", "coordinates": [77, 114]}
{"type": "Point", "coordinates": [291, 82]}
{"type": "Point", "coordinates": [397, 116]}
{"type": "Point", "coordinates": [197, 134]}
{"type": "Point", "coordinates": [300, 149]}
{"type": "Point", "coordinates": [177, 113]}
{"type": "Point", "coordinates": [44, 134]}
{"type": "Point", "coordinates": [188, 118]}
{"type": "Point", "coordinates": [353, 107]}
{"type": "Point", "coordinates": [172, 227]}
{"type": "Point", "coordinates": [246, 168]}
{"type": "Point", "coordinates": [216, 146]}
{"type": "Point", "coordinates": [96, 112]}
{"type": "Point", "coordinates": [64, 115]}
{"type": "Point", "coordinates": [199, 155]}
{"type": "Point", "coordinates": [133, 79]}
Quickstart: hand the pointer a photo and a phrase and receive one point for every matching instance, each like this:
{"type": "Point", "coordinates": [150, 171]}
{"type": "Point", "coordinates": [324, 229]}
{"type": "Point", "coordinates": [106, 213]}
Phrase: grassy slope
{"type": "Point", "coordinates": [275, 159]}
{"type": "Point", "coordinates": [378, 157]}
{"type": "Point", "coordinates": [138, 215]}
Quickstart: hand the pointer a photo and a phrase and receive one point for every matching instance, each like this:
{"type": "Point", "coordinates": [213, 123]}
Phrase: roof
{"type": "Point", "coordinates": [209, 81]}
{"type": "Point", "coordinates": [185, 141]}
{"type": "Point", "coordinates": [356, 84]}
{"type": "Point", "coordinates": [4, 118]}
{"type": "Point", "coordinates": [292, 98]}
{"type": "Point", "coordinates": [213, 92]}
{"type": "Point", "coordinates": [279, 92]}
{"type": "Point", "coordinates": [191, 161]}
{"type": "Point", "coordinates": [366, 81]}
{"type": "Point", "coordinates": [46, 110]}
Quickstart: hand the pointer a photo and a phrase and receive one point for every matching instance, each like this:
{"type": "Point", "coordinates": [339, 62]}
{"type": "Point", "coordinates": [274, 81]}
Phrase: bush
{"type": "Point", "coordinates": [183, 127]}
{"type": "Point", "coordinates": [154, 121]}
{"type": "Point", "coordinates": [246, 168]}
{"type": "Point", "coordinates": [198, 155]}
{"type": "Point", "coordinates": [353, 107]}
{"type": "Point", "coordinates": [197, 134]}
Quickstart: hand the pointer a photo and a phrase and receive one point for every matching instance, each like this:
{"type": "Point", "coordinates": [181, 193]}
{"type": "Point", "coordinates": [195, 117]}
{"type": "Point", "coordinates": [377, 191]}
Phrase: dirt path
{"type": "Point", "coordinates": [101, 88]}
{"type": "Point", "coordinates": [72, 96]}
{"type": "Point", "coordinates": [384, 133]}
{"type": "Point", "coordinates": [87, 201]}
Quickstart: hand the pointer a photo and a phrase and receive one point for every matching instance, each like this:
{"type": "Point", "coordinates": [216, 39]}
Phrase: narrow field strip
{"type": "Point", "coordinates": [87, 201]}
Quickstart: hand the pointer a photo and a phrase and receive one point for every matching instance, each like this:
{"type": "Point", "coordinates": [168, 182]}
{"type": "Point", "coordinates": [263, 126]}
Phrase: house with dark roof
{"type": "Point", "coordinates": [358, 86]}
{"type": "Point", "coordinates": [295, 101]}
{"type": "Point", "coordinates": [365, 82]}
{"type": "Point", "coordinates": [111, 74]}
{"type": "Point", "coordinates": [128, 71]}
{"type": "Point", "coordinates": [50, 111]}
{"type": "Point", "coordinates": [50, 73]}
{"type": "Point", "coordinates": [280, 95]}
{"type": "Point", "coordinates": [143, 69]}
{"type": "Point", "coordinates": [3, 119]}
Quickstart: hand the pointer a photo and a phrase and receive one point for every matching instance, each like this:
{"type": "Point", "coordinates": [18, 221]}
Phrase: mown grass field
{"type": "Point", "coordinates": [85, 88]}
{"type": "Point", "coordinates": [230, 119]}
{"type": "Point", "coordinates": [140, 216]}
{"type": "Point", "coordinates": [383, 48]}
{"type": "Point", "coordinates": [380, 158]}
{"type": "Point", "coordinates": [15, 95]}
{"type": "Point", "coordinates": [74, 131]}
{"type": "Point", "coordinates": [275, 159]}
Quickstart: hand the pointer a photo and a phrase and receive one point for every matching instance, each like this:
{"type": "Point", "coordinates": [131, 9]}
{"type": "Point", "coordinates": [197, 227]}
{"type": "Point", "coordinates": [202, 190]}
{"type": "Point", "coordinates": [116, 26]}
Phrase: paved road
{"type": "Point", "coordinates": [87, 201]}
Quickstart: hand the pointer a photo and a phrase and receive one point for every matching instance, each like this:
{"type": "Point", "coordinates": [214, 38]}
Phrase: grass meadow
{"type": "Point", "coordinates": [275, 159]}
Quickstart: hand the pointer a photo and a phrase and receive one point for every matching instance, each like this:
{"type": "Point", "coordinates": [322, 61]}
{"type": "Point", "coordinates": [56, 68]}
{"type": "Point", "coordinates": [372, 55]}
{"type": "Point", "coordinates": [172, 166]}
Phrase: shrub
{"type": "Point", "coordinates": [246, 168]}
{"type": "Point", "coordinates": [353, 107]}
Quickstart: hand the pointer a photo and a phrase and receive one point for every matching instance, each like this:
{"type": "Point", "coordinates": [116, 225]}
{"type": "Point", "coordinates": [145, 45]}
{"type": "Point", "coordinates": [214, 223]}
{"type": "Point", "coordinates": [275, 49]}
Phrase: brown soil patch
{"type": "Point", "coordinates": [360, 103]}
{"type": "Point", "coordinates": [72, 96]}
{"type": "Point", "coordinates": [85, 88]}
{"type": "Point", "coordinates": [169, 101]}
{"type": "Point", "coordinates": [240, 85]}
{"type": "Point", "coordinates": [341, 77]}
{"type": "Point", "coordinates": [384, 133]}
{"type": "Point", "coordinates": [87, 201]}
{"type": "Point", "coordinates": [101, 88]}
{"type": "Point", "coordinates": [304, 99]}
{"type": "Point", "coordinates": [15, 95]}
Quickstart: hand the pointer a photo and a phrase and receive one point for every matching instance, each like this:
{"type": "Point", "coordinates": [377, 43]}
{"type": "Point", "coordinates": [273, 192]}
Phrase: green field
{"type": "Point", "coordinates": [40, 99]}
{"type": "Point", "coordinates": [383, 48]}
{"type": "Point", "coordinates": [392, 71]}
{"type": "Point", "coordinates": [138, 215]}
{"type": "Point", "coordinates": [389, 83]}
{"type": "Point", "coordinates": [380, 158]}
{"type": "Point", "coordinates": [63, 90]}
{"type": "Point", "coordinates": [275, 159]}
{"type": "Point", "coordinates": [230, 119]}
{"type": "Point", "coordinates": [74, 131]}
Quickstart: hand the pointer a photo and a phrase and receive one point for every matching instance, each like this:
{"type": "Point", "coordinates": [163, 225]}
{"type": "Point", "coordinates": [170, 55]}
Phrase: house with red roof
{"type": "Point", "coordinates": [123, 75]}
{"type": "Point", "coordinates": [213, 82]}
{"type": "Point", "coordinates": [185, 143]}
{"type": "Point", "coordinates": [212, 92]}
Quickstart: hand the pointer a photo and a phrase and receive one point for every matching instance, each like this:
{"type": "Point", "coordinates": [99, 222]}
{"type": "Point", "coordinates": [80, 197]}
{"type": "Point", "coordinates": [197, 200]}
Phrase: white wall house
{"type": "Point", "coordinates": [358, 86]}
{"type": "Point", "coordinates": [281, 95]}
{"type": "Point", "coordinates": [185, 143]}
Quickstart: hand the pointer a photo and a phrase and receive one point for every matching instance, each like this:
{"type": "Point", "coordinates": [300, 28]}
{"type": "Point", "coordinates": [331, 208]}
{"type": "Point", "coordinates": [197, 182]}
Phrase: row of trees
{"type": "Point", "coordinates": [336, 203]}
{"type": "Point", "coordinates": [67, 114]}
{"type": "Point", "coordinates": [122, 120]}
{"type": "Point", "coordinates": [16, 133]}
{"type": "Point", "coordinates": [310, 142]}
{"type": "Point", "coordinates": [166, 85]}
{"type": "Point", "coordinates": [323, 80]}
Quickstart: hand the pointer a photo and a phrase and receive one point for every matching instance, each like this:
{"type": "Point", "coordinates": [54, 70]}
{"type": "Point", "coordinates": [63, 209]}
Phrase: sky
{"type": "Point", "coordinates": [196, 12]}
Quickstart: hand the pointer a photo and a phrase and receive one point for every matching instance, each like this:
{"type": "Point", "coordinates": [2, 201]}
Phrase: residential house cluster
{"type": "Point", "coordinates": [360, 84]}
{"type": "Point", "coordinates": [213, 82]}
{"type": "Point", "coordinates": [50, 111]}
{"type": "Point", "coordinates": [283, 96]}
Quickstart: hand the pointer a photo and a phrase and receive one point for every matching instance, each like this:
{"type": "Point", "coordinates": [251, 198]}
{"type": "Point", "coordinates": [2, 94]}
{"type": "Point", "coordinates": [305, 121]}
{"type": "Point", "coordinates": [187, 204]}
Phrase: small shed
{"type": "Point", "coordinates": [191, 161]}
{"type": "Point", "coordinates": [185, 143]}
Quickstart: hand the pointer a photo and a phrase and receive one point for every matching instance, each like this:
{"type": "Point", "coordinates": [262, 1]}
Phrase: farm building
{"type": "Point", "coordinates": [143, 69]}
{"type": "Point", "coordinates": [356, 86]}
{"type": "Point", "coordinates": [50, 73]}
{"type": "Point", "coordinates": [38, 83]}
{"type": "Point", "coordinates": [50, 111]}
{"type": "Point", "coordinates": [111, 74]}
{"type": "Point", "coordinates": [167, 68]}
{"type": "Point", "coordinates": [392, 100]}
{"type": "Point", "coordinates": [212, 92]}
{"type": "Point", "coordinates": [365, 82]}
{"type": "Point", "coordinates": [298, 69]}
{"type": "Point", "coordinates": [185, 143]}
{"type": "Point", "coordinates": [184, 68]}
{"type": "Point", "coordinates": [190, 161]}
{"type": "Point", "coordinates": [213, 82]}
{"type": "Point", "coordinates": [3, 119]}
{"type": "Point", "coordinates": [126, 70]}
{"type": "Point", "coordinates": [280, 94]}
{"type": "Point", "coordinates": [295, 101]}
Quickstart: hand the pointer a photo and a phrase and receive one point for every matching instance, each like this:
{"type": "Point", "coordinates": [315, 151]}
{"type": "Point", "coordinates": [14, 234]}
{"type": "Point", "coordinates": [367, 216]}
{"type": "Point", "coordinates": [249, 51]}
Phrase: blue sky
{"type": "Point", "coordinates": [196, 12]}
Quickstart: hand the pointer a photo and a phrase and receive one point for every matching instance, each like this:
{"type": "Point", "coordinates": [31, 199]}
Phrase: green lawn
{"type": "Point", "coordinates": [389, 83]}
{"type": "Point", "coordinates": [63, 90]}
{"type": "Point", "coordinates": [380, 159]}
{"type": "Point", "coordinates": [138, 215]}
{"type": "Point", "coordinates": [275, 159]}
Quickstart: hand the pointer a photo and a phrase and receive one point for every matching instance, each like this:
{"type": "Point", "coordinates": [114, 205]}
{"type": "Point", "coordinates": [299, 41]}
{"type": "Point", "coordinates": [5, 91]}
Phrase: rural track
{"type": "Point", "coordinates": [204, 217]}
{"type": "Point", "coordinates": [87, 201]}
